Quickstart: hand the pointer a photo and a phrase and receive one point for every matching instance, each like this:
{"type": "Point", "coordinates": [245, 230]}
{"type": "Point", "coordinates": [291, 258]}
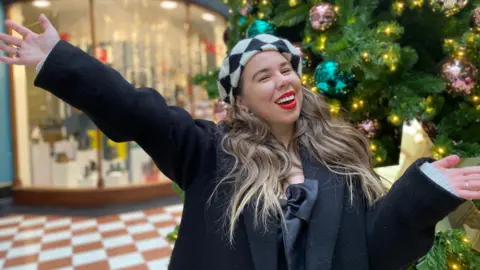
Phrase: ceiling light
{"type": "Point", "coordinates": [208, 17]}
{"type": "Point", "coordinates": [41, 3]}
{"type": "Point", "coordinates": [168, 4]}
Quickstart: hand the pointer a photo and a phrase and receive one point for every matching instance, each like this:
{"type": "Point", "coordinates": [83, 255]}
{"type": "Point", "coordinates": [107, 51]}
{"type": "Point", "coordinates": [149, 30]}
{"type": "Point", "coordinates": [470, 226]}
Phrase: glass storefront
{"type": "Point", "coordinates": [157, 44]}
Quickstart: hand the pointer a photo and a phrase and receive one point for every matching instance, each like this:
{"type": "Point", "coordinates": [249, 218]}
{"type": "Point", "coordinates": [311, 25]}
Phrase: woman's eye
{"type": "Point", "coordinates": [286, 70]}
{"type": "Point", "coordinates": [263, 78]}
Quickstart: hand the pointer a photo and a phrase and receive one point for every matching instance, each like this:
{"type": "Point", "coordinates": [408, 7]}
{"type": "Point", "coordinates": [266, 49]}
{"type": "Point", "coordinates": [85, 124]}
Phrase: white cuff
{"type": "Point", "coordinates": [436, 176]}
{"type": "Point", "coordinates": [40, 65]}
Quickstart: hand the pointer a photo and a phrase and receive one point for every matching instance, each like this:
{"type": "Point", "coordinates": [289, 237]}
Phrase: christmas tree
{"type": "Point", "coordinates": [381, 64]}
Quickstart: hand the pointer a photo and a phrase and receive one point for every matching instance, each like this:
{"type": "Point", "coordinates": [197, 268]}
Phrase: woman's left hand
{"type": "Point", "coordinates": [465, 181]}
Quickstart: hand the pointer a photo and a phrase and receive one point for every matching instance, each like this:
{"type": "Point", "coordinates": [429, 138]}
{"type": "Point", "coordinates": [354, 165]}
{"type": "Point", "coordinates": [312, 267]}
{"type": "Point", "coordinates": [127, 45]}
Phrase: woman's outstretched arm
{"type": "Point", "coordinates": [401, 225]}
{"type": "Point", "coordinates": [178, 144]}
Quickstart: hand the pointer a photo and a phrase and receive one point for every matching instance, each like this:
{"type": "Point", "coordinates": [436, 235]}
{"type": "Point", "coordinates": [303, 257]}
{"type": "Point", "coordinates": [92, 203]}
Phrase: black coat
{"type": "Point", "coordinates": [394, 233]}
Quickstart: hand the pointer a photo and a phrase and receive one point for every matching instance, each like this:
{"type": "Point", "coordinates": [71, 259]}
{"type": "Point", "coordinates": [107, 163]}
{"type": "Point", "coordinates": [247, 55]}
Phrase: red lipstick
{"type": "Point", "coordinates": [287, 101]}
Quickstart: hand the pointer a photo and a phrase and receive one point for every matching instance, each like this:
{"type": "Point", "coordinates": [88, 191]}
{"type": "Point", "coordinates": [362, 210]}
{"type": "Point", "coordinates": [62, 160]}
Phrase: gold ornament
{"type": "Point", "coordinates": [448, 7]}
{"type": "Point", "coordinates": [322, 16]}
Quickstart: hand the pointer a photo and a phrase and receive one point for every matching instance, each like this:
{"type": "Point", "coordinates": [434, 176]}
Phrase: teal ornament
{"type": "Point", "coordinates": [258, 27]}
{"type": "Point", "coordinates": [332, 81]}
{"type": "Point", "coordinates": [242, 20]}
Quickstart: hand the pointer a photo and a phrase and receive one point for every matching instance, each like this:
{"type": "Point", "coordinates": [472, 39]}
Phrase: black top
{"type": "Point", "coordinates": [341, 234]}
{"type": "Point", "coordinates": [297, 209]}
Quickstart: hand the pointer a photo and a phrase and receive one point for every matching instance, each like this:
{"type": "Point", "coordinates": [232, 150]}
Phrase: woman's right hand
{"type": "Point", "coordinates": [33, 48]}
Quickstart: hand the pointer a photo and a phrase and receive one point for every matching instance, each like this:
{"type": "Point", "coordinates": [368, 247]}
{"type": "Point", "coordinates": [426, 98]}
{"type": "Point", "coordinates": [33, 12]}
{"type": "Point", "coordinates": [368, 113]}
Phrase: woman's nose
{"type": "Point", "coordinates": [282, 84]}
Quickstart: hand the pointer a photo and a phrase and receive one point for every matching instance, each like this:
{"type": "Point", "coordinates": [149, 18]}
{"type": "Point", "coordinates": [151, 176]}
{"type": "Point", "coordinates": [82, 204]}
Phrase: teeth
{"type": "Point", "coordinates": [285, 99]}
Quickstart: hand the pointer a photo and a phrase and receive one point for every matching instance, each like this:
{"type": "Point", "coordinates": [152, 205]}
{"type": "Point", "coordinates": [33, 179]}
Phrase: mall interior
{"type": "Point", "coordinates": [47, 146]}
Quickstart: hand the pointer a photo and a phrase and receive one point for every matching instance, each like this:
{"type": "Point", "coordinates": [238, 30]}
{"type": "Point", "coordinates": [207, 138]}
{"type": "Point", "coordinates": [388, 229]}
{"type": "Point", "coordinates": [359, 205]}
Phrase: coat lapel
{"type": "Point", "coordinates": [323, 226]}
{"type": "Point", "coordinates": [263, 245]}
{"type": "Point", "coordinates": [324, 223]}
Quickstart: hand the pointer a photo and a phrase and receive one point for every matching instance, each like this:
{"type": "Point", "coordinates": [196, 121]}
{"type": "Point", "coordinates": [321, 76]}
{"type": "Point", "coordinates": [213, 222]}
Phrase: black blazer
{"type": "Point", "coordinates": [391, 235]}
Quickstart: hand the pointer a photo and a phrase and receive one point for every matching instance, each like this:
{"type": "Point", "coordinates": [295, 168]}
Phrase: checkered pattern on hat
{"type": "Point", "coordinates": [233, 65]}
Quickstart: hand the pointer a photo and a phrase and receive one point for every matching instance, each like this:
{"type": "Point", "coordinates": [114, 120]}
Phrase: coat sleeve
{"type": "Point", "coordinates": [178, 144]}
{"type": "Point", "coordinates": [401, 226]}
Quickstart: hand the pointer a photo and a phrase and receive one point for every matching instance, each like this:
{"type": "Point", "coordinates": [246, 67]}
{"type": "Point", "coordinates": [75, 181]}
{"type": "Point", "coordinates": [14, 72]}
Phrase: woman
{"type": "Point", "coordinates": [279, 184]}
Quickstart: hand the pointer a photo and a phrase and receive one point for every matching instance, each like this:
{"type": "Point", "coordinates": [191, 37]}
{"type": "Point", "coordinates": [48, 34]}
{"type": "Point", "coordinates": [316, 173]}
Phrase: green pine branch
{"type": "Point", "coordinates": [451, 248]}
{"type": "Point", "coordinates": [209, 82]}
{"type": "Point", "coordinates": [292, 16]}
{"type": "Point", "coordinates": [423, 84]}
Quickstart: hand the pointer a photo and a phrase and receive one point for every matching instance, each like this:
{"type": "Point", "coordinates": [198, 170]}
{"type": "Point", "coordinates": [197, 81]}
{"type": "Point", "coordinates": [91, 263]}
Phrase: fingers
{"type": "Point", "coordinates": [22, 30]}
{"type": "Point", "coordinates": [471, 182]}
{"type": "Point", "coordinates": [9, 39]}
{"type": "Point", "coordinates": [7, 49]}
{"type": "Point", "coordinates": [469, 195]}
{"type": "Point", "coordinates": [11, 60]}
{"type": "Point", "coordinates": [467, 170]}
{"type": "Point", "coordinates": [44, 22]}
{"type": "Point", "coordinates": [468, 187]}
{"type": "Point", "coordinates": [447, 162]}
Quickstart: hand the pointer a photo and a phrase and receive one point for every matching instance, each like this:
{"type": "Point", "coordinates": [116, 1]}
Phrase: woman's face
{"type": "Point", "coordinates": [271, 89]}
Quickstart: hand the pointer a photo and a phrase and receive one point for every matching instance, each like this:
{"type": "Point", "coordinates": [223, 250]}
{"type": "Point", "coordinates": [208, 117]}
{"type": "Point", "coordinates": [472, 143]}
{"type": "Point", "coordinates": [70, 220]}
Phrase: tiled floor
{"type": "Point", "coordinates": [133, 240]}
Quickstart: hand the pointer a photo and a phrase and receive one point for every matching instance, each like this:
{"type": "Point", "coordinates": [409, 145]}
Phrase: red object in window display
{"type": "Point", "coordinates": [65, 36]}
{"type": "Point", "coordinates": [152, 178]}
{"type": "Point", "coordinates": [102, 55]}
{"type": "Point", "coordinates": [150, 172]}
{"type": "Point", "coordinates": [209, 46]}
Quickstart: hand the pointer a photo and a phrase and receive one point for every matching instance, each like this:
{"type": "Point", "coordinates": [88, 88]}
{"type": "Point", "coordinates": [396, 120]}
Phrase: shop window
{"type": "Point", "coordinates": [146, 41]}
{"type": "Point", "coordinates": [49, 132]}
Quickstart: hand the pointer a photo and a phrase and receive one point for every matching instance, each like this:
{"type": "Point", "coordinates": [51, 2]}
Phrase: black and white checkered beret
{"type": "Point", "coordinates": [233, 65]}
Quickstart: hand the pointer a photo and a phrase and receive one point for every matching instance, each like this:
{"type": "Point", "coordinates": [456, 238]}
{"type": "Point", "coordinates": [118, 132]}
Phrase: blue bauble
{"type": "Point", "coordinates": [260, 27]}
{"type": "Point", "coordinates": [332, 81]}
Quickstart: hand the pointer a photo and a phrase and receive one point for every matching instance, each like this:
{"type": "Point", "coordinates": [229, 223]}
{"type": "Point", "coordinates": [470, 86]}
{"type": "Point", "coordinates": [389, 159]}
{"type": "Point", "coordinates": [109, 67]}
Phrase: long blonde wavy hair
{"type": "Point", "coordinates": [262, 163]}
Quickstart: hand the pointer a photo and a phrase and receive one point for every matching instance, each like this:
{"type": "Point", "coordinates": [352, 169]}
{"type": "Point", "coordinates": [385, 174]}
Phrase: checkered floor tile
{"type": "Point", "coordinates": [135, 240]}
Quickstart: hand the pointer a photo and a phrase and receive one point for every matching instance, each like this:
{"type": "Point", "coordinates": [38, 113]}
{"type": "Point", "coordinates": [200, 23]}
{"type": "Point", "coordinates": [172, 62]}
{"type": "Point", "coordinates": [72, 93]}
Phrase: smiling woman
{"type": "Point", "coordinates": [148, 43]}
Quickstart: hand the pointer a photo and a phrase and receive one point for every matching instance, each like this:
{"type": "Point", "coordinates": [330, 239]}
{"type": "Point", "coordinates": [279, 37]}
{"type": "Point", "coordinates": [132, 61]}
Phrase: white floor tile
{"type": "Point", "coordinates": [84, 224]}
{"type": "Point", "coordinates": [174, 208]}
{"type": "Point", "coordinates": [158, 264]}
{"type": "Point", "coordinates": [53, 237]}
{"type": "Point", "coordinates": [32, 266]}
{"type": "Point", "coordinates": [8, 231]}
{"type": "Point", "coordinates": [89, 257]}
{"type": "Point", "coordinates": [140, 228]}
{"type": "Point", "coordinates": [56, 253]}
{"type": "Point", "coordinates": [5, 245]}
{"type": "Point", "coordinates": [33, 221]}
{"type": "Point", "coordinates": [29, 234]}
{"type": "Point", "coordinates": [125, 261]}
{"type": "Point", "coordinates": [10, 220]}
{"type": "Point", "coordinates": [58, 223]}
{"type": "Point", "coordinates": [132, 216]}
{"type": "Point", "coordinates": [159, 218]}
{"type": "Point", "coordinates": [149, 244]}
{"type": "Point", "coordinates": [86, 238]}
{"type": "Point", "coordinates": [117, 241]}
{"type": "Point", "coordinates": [23, 251]}
{"type": "Point", "coordinates": [112, 226]}
{"type": "Point", "coordinates": [164, 231]}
